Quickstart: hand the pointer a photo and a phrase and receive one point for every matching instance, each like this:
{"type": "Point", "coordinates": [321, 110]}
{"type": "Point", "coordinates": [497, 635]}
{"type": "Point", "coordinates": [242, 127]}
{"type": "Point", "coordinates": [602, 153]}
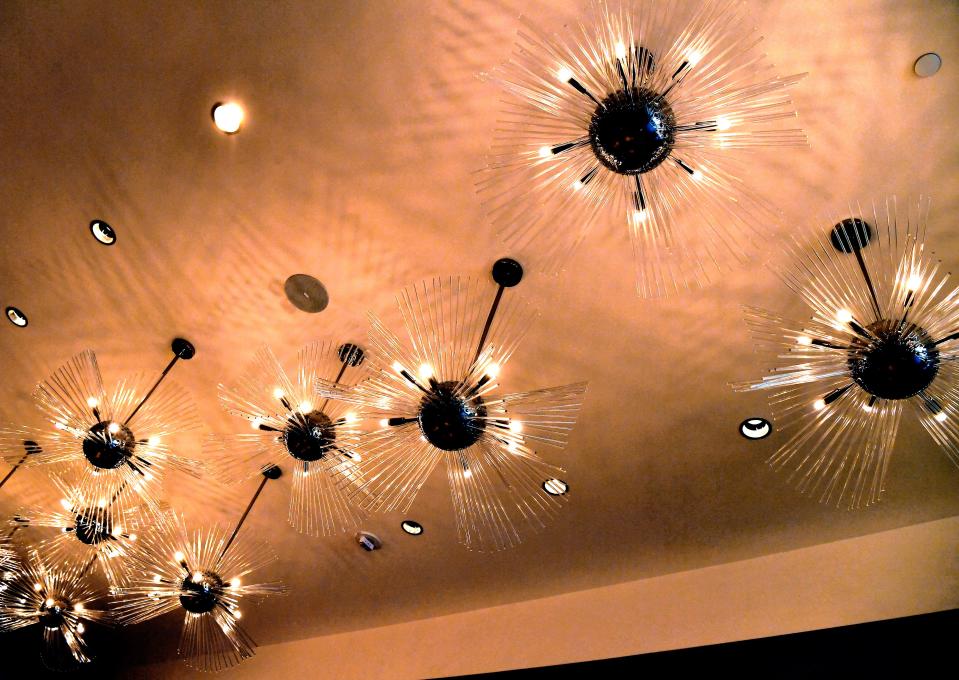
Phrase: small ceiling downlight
{"type": "Point", "coordinates": [228, 117]}
{"type": "Point", "coordinates": [755, 428]}
{"type": "Point", "coordinates": [17, 318]}
{"type": "Point", "coordinates": [411, 527]}
{"type": "Point", "coordinates": [555, 487]}
{"type": "Point", "coordinates": [103, 232]}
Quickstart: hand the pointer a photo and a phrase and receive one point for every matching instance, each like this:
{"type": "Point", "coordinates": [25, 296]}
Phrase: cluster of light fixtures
{"type": "Point", "coordinates": [636, 117]}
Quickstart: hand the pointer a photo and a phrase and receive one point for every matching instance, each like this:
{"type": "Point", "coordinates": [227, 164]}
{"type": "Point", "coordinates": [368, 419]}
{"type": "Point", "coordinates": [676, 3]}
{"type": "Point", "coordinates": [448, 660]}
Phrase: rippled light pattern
{"type": "Point", "coordinates": [58, 598]}
{"type": "Point", "coordinates": [643, 115]}
{"type": "Point", "coordinates": [297, 429]}
{"type": "Point", "coordinates": [203, 575]}
{"type": "Point", "coordinates": [883, 338]}
{"type": "Point", "coordinates": [112, 454]}
{"type": "Point", "coordinates": [436, 398]}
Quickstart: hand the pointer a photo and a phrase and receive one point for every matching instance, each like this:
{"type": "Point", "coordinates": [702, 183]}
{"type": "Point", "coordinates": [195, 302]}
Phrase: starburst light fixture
{"type": "Point", "coordinates": [643, 116]}
{"type": "Point", "coordinates": [203, 573]}
{"type": "Point", "coordinates": [58, 598]}
{"type": "Point", "coordinates": [294, 425]}
{"type": "Point", "coordinates": [78, 533]}
{"type": "Point", "coordinates": [112, 449]}
{"type": "Point", "coordinates": [436, 399]}
{"type": "Point", "coordinates": [883, 337]}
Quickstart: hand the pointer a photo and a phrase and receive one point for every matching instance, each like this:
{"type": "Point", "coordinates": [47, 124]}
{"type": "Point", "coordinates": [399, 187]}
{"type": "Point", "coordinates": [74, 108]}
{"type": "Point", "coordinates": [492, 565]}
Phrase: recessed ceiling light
{"type": "Point", "coordinates": [555, 487]}
{"type": "Point", "coordinates": [755, 428]}
{"type": "Point", "coordinates": [228, 117]}
{"type": "Point", "coordinates": [306, 293]}
{"type": "Point", "coordinates": [411, 527]}
{"type": "Point", "coordinates": [103, 232]}
{"type": "Point", "coordinates": [927, 65]}
{"type": "Point", "coordinates": [17, 318]}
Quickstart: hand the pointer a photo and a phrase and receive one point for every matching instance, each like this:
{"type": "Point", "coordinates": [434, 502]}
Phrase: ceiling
{"type": "Point", "coordinates": [366, 124]}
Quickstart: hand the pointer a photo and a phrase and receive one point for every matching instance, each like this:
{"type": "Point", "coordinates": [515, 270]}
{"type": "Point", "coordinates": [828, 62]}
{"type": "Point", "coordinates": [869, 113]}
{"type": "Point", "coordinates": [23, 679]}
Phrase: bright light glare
{"type": "Point", "coordinates": [228, 117]}
{"type": "Point", "coordinates": [564, 75]}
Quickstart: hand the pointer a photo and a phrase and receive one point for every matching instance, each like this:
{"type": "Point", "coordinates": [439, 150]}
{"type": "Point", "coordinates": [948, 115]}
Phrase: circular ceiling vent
{"type": "Point", "coordinates": [306, 293]}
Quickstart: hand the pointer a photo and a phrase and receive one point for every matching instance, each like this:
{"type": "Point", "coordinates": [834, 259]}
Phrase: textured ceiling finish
{"type": "Point", "coordinates": [366, 125]}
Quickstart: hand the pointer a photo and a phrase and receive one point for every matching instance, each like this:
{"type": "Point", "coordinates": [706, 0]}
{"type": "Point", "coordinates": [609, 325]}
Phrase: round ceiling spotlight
{"type": "Point", "coordinates": [411, 527]}
{"type": "Point", "coordinates": [17, 318]}
{"type": "Point", "coordinates": [306, 293]}
{"type": "Point", "coordinates": [555, 487]}
{"type": "Point", "coordinates": [368, 541]}
{"type": "Point", "coordinates": [755, 428]}
{"type": "Point", "coordinates": [927, 65]}
{"type": "Point", "coordinates": [103, 232]}
{"type": "Point", "coordinates": [228, 117]}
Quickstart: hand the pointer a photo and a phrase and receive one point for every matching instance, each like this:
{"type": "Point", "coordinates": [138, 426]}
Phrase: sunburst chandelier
{"type": "Point", "coordinates": [640, 117]}
{"type": "Point", "coordinates": [203, 573]}
{"type": "Point", "coordinates": [293, 425]}
{"type": "Point", "coordinates": [109, 448]}
{"type": "Point", "coordinates": [436, 400]}
{"type": "Point", "coordinates": [56, 597]}
{"type": "Point", "coordinates": [80, 534]}
{"type": "Point", "coordinates": [882, 337]}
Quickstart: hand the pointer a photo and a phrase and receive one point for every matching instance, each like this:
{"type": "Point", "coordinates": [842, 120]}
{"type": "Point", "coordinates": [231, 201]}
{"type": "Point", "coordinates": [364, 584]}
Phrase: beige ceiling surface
{"type": "Point", "coordinates": [366, 125]}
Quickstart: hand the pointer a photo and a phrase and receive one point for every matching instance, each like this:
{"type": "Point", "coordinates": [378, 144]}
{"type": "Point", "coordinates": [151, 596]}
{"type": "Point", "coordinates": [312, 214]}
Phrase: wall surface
{"type": "Point", "coordinates": [885, 575]}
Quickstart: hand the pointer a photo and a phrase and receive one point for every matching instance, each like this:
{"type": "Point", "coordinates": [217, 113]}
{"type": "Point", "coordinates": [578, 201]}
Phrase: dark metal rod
{"type": "Point", "coordinates": [176, 357]}
{"type": "Point", "coordinates": [15, 468]}
{"type": "Point", "coordinates": [954, 336]}
{"type": "Point", "coordinates": [872, 290]}
{"type": "Point", "coordinates": [336, 382]}
{"type": "Point", "coordinates": [87, 568]}
{"type": "Point", "coordinates": [13, 531]}
{"type": "Point", "coordinates": [579, 88]}
{"type": "Point", "coordinates": [489, 322]}
{"type": "Point", "coordinates": [245, 513]}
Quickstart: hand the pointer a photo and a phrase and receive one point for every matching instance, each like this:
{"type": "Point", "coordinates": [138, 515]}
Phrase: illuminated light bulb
{"type": "Point", "coordinates": [37, 587]}
{"type": "Point", "coordinates": [867, 408]}
{"type": "Point", "coordinates": [467, 473]}
{"type": "Point", "coordinates": [350, 417]}
{"type": "Point", "coordinates": [49, 602]}
{"type": "Point", "coordinates": [157, 578]}
{"type": "Point", "coordinates": [255, 423]}
{"type": "Point", "coordinates": [914, 282]}
{"type": "Point", "coordinates": [577, 185]}
{"type": "Point", "coordinates": [844, 316]}
{"type": "Point", "coordinates": [639, 216]}
{"type": "Point", "coordinates": [93, 402]}
{"type": "Point", "coordinates": [65, 530]}
{"type": "Point", "coordinates": [545, 152]}
{"type": "Point", "coordinates": [133, 537]}
{"type": "Point", "coordinates": [696, 175]}
{"type": "Point", "coordinates": [235, 583]}
{"type": "Point", "coordinates": [511, 447]}
{"type": "Point", "coordinates": [237, 613]}
{"type": "Point", "coordinates": [723, 123]}
{"type": "Point", "coordinates": [60, 426]}
{"type": "Point", "coordinates": [117, 530]}
{"type": "Point", "coordinates": [620, 50]}
{"type": "Point", "coordinates": [515, 426]}
{"type": "Point", "coordinates": [102, 503]}
{"type": "Point", "coordinates": [940, 417]}
{"type": "Point", "coordinates": [153, 441]}
{"type": "Point", "coordinates": [493, 371]}
{"type": "Point", "coordinates": [397, 366]}
{"type": "Point", "coordinates": [80, 628]}
{"type": "Point", "coordinates": [564, 75]}
{"type": "Point", "coordinates": [178, 556]}
{"type": "Point", "coordinates": [425, 371]}
{"type": "Point", "coordinates": [147, 476]}
{"type": "Point", "coordinates": [385, 422]}
{"type": "Point", "coordinates": [197, 576]}
{"type": "Point", "coordinates": [78, 607]}
{"type": "Point", "coordinates": [228, 117]}
{"type": "Point", "coordinates": [113, 428]}
{"type": "Point", "coordinates": [804, 340]}
{"type": "Point", "coordinates": [694, 57]}
{"type": "Point", "coordinates": [305, 407]}
{"type": "Point", "coordinates": [65, 504]}
{"type": "Point", "coordinates": [277, 393]}
{"type": "Point", "coordinates": [819, 404]}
